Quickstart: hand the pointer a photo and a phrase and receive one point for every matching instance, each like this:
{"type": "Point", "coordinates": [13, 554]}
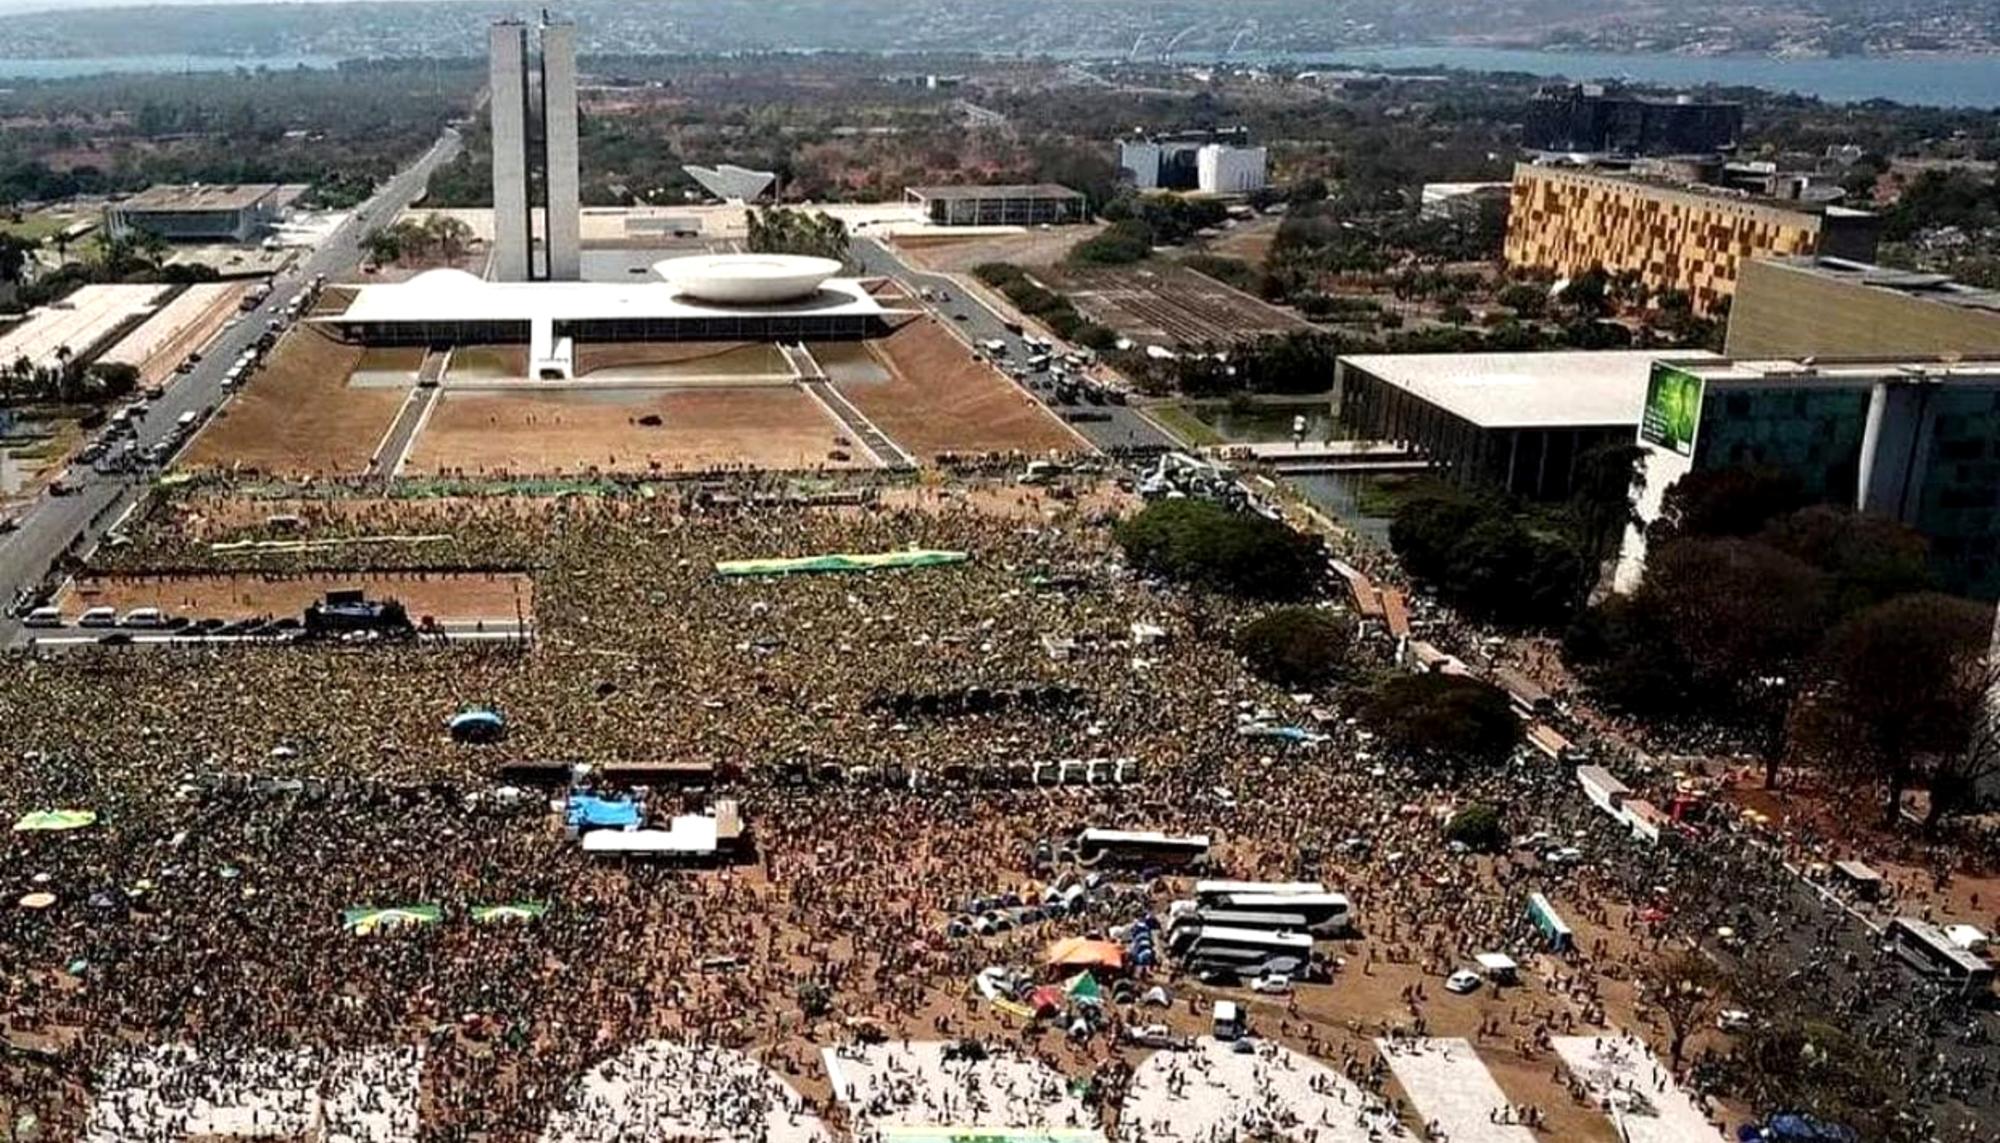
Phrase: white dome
{"type": "Point", "coordinates": [445, 278]}
{"type": "Point", "coordinates": [745, 279]}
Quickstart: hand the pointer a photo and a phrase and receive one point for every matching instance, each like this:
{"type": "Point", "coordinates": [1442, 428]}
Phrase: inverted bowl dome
{"type": "Point", "coordinates": [746, 279]}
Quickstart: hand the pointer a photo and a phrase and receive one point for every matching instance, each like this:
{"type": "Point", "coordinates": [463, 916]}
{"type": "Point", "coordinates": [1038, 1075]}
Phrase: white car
{"type": "Point", "coordinates": [1274, 984]}
{"type": "Point", "coordinates": [1462, 982]}
{"type": "Point", "coordinates": [1732, 1020]}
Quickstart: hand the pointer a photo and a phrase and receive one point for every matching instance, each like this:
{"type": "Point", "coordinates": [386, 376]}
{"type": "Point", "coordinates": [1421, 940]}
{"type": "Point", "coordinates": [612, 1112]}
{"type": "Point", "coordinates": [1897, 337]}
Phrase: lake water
{"type": "Point", "coordinates": [1942, 81]}
{"type": "Point", "coordinates": [1272, 422]}
{"type": "Point", "coordinates": [154, 65]}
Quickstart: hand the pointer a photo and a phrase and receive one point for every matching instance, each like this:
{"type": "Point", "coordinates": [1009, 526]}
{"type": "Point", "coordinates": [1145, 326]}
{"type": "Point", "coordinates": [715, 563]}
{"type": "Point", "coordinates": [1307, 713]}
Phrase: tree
{"type": "Point", "coordinates": [1685, 988]}
{"type": "Point", "coordinates": [1488, 556]}
{"type": "Point", "coordinates": [14, 254]}
{"type": "Point", "coordinates": [1452, 721]}
{"type": "Point", "coordinates": [1588, 293]}
{"type": "Point", "coordinates": [114, 378]}
{"type": "Point", "coordinates": [1119, 244]}
{"type": "Point", "coordinates": [1298, 648]}
{"type": "Point", "coordinates": [778, 230]}
{"type": "Point", "coordinates": [1901, 681]}
{"type": "Point", "coordinates": [1204, 545]}
{"type": "Point", "coordinates": [1871, 558]}
{"type": "Point", "coordinates": [1743, 618]}
{"type": "Point", "coordinates": [1734, 501]}
{"type": "Point", "coordinates": [1478, 827]}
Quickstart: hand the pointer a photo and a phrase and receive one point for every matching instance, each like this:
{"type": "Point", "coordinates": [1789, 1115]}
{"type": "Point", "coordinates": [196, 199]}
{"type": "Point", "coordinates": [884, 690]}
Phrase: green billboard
{"type": "Point", "coordinates": [1673, 409]}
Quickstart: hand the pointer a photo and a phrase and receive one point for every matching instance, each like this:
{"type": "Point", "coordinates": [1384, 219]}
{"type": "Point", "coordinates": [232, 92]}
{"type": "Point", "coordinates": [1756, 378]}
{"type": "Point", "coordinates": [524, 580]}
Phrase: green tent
{"type": "Point", "coordinates": [54, 821]}
{"type": "Point", "coordinates": [363, 921]}
{"type": "Point", "coordinates": [842, 562]}
{"type": "Point", "coordinates": [519, 911]}
{"type": "Point", "coordinates": [1083, 988]}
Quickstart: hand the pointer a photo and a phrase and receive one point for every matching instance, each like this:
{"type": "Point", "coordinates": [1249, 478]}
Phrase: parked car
{"type": "Point", "coordinates": [1462, 982]}
{"type": "Point", "coordinates": [1273, 984]}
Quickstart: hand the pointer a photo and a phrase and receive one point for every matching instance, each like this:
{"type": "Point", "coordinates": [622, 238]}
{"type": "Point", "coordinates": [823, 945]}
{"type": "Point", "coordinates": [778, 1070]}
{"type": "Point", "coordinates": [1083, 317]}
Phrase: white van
{"type": "Point", "coordinates": [44, 617]}
{"type": "Point", "coordinates": [98, 617]}
{"type": "Point", "coordinates": [143, 617]}
{"type": "Point", "coordinates": [1228, 1020]}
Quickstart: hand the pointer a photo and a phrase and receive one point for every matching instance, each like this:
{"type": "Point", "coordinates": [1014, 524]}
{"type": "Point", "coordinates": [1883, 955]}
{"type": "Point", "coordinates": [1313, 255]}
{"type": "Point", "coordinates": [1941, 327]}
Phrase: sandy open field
{"type": "Point", "coordinates": [442, 595]}
{"type": "Point", "coordinates": [298, 416]}
{"type": "Point", "coordinates": [577, 431]}
{"type": "Point", "coordinates": [940, 399]}
{"type": "Point", "coordinates": [948, 254]}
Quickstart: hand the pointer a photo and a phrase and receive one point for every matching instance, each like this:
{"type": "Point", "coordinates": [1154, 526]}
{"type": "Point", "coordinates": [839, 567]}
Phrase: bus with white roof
{"type": "Point", "coordinates": [1140, 848]}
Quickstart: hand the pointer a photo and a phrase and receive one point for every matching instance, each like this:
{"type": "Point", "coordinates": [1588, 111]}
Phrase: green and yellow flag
{"type": "Point", "coordinates": [54, 821]}
{"type": "Point", "coordinates": [519, 911]}
{"type": "Point", "coordinates": [363, 920]}
{"type": "Point", "coordinates": [843, 562]}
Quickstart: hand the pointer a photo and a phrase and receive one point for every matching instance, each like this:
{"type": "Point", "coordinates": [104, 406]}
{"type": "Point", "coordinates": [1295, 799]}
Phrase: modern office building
{"type": "Point", "coordinates": [1039, 204]}
{"type": "Point", "coordinates": [1675, 237]}
{"type": "Point", "coordinates": [1213, 162]}
{"type": "Point", "coordinates": [1917, 440]}
{"type": "Point", "coordinates": [1515, 421]}
{"type": "Point", "coordinates": [1593, 119]}
{"type": "Point", "coordinates": [1797, 307]}
{"type": "Point", "coordinates": [200, 213]}
{"type": "Point", "coordinates": [534, 153]}
{"type": "Point", "coordinates": [732, 183]}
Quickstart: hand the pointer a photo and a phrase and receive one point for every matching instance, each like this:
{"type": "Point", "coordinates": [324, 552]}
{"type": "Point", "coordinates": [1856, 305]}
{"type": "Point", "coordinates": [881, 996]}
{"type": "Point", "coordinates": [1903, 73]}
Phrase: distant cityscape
{"type": "Point", "coordinates": [1136, 29]}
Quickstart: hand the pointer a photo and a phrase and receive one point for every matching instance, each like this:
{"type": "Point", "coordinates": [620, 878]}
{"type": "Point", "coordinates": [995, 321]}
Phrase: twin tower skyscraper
{"type": "Point", "coordinates": [534, 154]}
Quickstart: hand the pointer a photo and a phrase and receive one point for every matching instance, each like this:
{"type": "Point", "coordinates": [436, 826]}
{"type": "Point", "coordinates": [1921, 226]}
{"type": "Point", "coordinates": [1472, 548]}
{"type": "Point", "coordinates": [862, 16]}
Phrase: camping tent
{"type": "Point", "coordinates": [1081, 952]}
{"type": "Point", "coordinates": [1083, 989]}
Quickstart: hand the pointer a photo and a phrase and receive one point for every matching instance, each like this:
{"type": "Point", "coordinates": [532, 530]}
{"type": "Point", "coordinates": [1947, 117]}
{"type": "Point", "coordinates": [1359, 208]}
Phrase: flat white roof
{"type": "Point", "coordinates": [80, 321]}
{"type": "Point", "coordinates": [1580, 389]}
{"type": "Point", "coordinates": [454, 295]}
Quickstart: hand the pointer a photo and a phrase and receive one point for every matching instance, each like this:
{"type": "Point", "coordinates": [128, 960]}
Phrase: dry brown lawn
{"type": "Point", "coordinates": [443, 595]}
{"type": "Point", "coordinates": [940, 399]}
{"type": "Point", "coordinates": [585, 430]}
{"type": "Point", "coordinates": [297, 416]}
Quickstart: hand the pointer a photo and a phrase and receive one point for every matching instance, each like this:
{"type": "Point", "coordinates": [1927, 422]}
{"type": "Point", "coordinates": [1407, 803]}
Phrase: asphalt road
{"type": "Point", "coordinates": [75, 522]}
{"type": "Point", "coordinates": [1125, 428]}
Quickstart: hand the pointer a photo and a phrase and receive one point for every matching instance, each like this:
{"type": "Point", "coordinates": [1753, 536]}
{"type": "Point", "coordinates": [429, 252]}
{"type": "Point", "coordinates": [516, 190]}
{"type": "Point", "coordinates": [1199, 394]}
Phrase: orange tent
{"type": "Point", "coordinates": [1078, 952]}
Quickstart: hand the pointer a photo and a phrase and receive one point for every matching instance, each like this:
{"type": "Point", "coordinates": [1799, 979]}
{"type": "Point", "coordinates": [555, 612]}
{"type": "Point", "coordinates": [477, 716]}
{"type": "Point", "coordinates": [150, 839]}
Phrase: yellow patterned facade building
{"type": "Point", "coordinates": [1566, 220]}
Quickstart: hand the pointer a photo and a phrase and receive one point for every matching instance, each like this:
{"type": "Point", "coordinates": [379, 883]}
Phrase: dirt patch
{"type": "Point", "coordinates": [938, 399]}
{"type": "Point", "coordinates": [297, 416]}
{"type": "Point", "coordinates": [443, 595]}
{"type": "Point", "coordinates": [711, 358]}
{"type": "Point", "coordinates": [579, 431]}
{"type": "Point", "coordinates": [958, 254]}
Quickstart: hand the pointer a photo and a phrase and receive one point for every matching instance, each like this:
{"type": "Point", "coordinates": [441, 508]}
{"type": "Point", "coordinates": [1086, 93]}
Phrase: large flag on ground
{"type": "Point", "coordinates": [50, 821]}
{"type": "Point", "coordinates": [519, 911]}
{"type": "Point", "coordinates": [363, 921]}
{"type": "Point", "coordinates": [843, 562]}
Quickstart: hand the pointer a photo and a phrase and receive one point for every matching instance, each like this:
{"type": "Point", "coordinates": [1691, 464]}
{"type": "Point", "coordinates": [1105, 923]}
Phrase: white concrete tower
{"type": "Point", "coordinates": [507, 67]}
{"type": "Point", "coordinates": [559, 162]}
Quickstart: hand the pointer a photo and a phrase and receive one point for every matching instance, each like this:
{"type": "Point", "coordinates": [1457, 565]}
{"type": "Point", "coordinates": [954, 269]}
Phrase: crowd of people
{"type": "Point", "coordinates": [208, 915]}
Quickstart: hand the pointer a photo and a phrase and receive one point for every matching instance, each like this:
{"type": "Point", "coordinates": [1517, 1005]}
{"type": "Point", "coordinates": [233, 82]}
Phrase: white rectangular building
{"type": "Point", "coordinates": [1222, 169]}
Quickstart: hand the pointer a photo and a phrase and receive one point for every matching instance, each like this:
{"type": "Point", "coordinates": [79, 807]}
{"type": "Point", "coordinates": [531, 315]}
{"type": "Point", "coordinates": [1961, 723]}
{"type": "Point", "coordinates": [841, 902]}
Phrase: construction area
{"type": "Point", "coordinates": [1166, 304]}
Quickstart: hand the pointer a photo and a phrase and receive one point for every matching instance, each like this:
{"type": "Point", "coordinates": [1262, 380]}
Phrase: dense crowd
{"type": "Point", "coordinates": [195, 914]}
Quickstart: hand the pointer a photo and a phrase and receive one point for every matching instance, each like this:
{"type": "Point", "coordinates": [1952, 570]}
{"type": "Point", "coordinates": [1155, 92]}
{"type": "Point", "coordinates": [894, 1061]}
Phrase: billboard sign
{"type": "Point", "coordinates": [1673, 410]}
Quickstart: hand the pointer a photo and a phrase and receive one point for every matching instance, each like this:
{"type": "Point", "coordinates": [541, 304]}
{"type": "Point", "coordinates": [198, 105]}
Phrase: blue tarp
{"type": "Point", "coordinates": [1789, 1128]}
{"type": "Point", "coordinates": [587, 812]}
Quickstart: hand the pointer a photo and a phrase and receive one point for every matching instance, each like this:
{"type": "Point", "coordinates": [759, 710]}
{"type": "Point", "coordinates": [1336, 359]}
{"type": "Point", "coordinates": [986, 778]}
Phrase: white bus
{"type": "Point", "coordinates": [1236, 919]}
{"type": "Point", "coordinates": [1927, 949]}
{"type": "Point", "coordinates": [1240, 950]}
{"type": "Point", "coordinates": [1140, 848]}
{"type": "Point", "coordinates": [1213, 893]}
{"type": "Point", "coordinates": [1326, 914]}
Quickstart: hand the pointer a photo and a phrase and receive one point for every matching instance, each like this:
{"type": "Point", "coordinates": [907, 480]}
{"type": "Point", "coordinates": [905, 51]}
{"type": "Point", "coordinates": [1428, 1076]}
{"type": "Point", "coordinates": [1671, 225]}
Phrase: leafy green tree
{"type": "Point", "coordinates": [1488, 556]}
{"type": "Point", "coordinates": [1298, 648]}
{"type": "Point", "coordinates": [1119, 244]}
{"type": "Point", "coordinates": [1204, 545]}
{"type": "Point", "coordinates": [1871, 558]}
{"type": "Point", "coordinates": [1733, 501]}
{"type": "Point", "coordinates": [1478, 827]}
{"type": "Point", "coordinates": [1903, 681]}
{"type": "Point", "coordinates": [1453, 722]}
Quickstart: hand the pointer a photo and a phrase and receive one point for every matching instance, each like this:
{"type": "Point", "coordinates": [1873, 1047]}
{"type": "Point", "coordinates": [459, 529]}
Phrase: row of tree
{"type": "Point", "coordinates": [816, 234]}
